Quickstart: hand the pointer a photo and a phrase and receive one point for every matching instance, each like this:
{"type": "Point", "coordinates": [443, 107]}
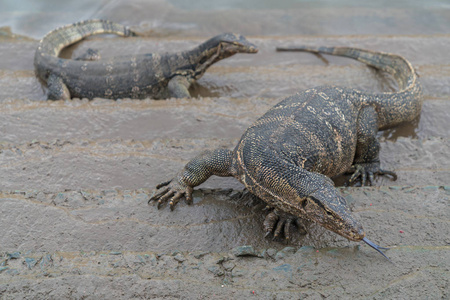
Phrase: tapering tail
{"type": "Point", "coordinates": [56, 40]}
{"type": "Point", "coordinates": [394, 108]}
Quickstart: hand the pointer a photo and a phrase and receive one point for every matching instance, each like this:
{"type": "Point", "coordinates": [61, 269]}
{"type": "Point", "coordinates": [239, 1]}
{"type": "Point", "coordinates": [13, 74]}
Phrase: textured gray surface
{"type": "Point", "coordinates": [75, 179]}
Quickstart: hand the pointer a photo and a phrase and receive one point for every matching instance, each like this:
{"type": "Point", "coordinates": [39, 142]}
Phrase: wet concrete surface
{"type": "Point", "coordinates": [100, 242]}
{"type": "Point", "coordinates": [75, 176]}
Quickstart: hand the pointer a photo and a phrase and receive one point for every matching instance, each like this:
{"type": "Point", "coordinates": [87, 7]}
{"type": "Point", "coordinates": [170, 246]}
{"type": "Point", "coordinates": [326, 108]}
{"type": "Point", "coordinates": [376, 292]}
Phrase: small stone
{"type": "Point", "coordinates": [279, 256]}
{"type": "Point", "coordinates": [30, 262]}
{"type": "Point", "coordinates": [306, 249]}
{"type": "Point", "coordinates": [221, 260]}
{"type": "Point", "coordinates": [85, 194]}
{"type": "Point", "coordinates": [239, 272]}
{"type": "Point", "coordinates": [179, 257]}
{"type": "Point", "coordinates": [271, 252]}
{"type": "Point", "coordinates": [446, 187]}
{"type": "Point", "coordinates": [395, 187]}
{"type": "Point", "coordinates": [334, 252]}
{"type": "Point", "coordinates": [46, 261]}
{"type": "Point", "coordinates": [284, 252]}
{"type": "Point", "coordinates": [430, 188]}
{"type": "Point", "coordinates": [140, 259]}
{"type": "Point", "coordinates": [283, 268]}
{"type": "Point", "coordinates": [153, 259]}
{"type": "Point", "coordinates": [288, 250]}
{"type": "Point", "coordinates": [115, 253]}
{"type": "Point", "coordinates": [216, 271]}
{"type": "Point", "coordinates": [110, 193]}
{"type": "Point", "coordinates": [225, 281]}
{"type": "Point", "coordinates": [200, 255]}
{"type": "Point", "coordinates": [14, 255]}
{"type": "Point", "coordinates": [244, 251]}
{"type": "Point", "coordinates": [409, 190]}
{"type": "Point", "coordinates": [228, 265]}
{"type": "Point", "coordinates": [350, 200]}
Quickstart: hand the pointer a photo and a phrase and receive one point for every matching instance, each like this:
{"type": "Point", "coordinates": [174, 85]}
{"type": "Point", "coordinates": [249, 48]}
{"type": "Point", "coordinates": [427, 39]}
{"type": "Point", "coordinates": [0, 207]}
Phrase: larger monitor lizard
{"type": "Point", "coordinates": [287, 157]}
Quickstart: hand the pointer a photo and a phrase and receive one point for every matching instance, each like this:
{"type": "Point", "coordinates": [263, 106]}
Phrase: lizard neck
{"type": "Point", "coordinates": [205, 55]}
{"type": "Point", "coordinates": [204, 59]}
{"type": "Point", "coordinates": [192, 63]}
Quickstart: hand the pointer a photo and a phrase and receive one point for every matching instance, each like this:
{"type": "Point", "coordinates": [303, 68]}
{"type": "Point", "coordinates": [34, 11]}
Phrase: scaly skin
{"type": "Point", "coordinates": [146, 75]}
{"type": "Point", "coordinates": [287, 156]}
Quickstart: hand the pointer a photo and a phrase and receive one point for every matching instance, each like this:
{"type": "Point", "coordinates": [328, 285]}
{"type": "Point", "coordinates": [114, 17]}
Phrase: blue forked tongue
{"type": "Point", "coordinates": [376, 247]}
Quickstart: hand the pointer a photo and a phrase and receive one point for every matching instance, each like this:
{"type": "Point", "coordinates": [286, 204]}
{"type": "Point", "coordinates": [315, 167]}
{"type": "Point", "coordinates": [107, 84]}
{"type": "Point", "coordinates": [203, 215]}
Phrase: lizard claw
{"type": "Point", "coordinates": [171, 191]}
{"type": "Point", "coordinates": [367, 172]}
{"type": "Point", "coordinates": [283, 222]}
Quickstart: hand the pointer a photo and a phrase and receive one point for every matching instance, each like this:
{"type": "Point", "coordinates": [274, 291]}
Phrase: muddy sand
{"type": "Point", "coordinates": [75, 177]}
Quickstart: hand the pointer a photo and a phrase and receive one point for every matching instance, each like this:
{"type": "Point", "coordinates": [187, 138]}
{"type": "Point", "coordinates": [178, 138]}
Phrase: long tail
{"type": "Point", "coordinates": [410, 93]}
{"type": "Point", "coordinates": [61, 37]}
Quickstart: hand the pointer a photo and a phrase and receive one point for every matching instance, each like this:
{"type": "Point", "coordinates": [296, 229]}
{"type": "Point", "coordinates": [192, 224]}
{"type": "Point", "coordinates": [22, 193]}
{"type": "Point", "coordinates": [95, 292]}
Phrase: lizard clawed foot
{"type": "Point", "coordinates": [366, 172]}
{"type": "Point", "coordinates": [171, 191]}
{"type": "Point", "coordinates": [89, 55]}
{"type": "Point", "coordinates": [283, 222]}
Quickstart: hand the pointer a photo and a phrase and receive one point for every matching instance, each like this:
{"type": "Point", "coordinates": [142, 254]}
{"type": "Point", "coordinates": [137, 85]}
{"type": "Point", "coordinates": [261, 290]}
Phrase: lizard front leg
{"type": "Point", "coordinates": [179, 87]}
{"type": "Point", "coordinates": [217, 162]}
{"type": "Point", "coordinates": [277, 221]}
{"type": "Point", "coordinates": [367, 161]}
{"type": "Point", "coordinates": [57, 90]}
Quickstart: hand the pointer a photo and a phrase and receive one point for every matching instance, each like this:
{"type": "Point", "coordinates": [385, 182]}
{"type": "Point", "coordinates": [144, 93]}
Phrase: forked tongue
{"type": "Point", "coordinates": [376, 247]}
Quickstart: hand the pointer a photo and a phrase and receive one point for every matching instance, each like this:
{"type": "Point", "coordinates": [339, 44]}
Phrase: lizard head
{"type": "Point", "coordinates": [219, 47]}
{"type": "Point", "coordinates": [328, 208]}
{"type": "Point", "coordinates": [225, 45]}
{"type": "Point", "coordinates": [231, 43]}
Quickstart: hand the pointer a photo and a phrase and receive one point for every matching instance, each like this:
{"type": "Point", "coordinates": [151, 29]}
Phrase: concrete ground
{"type": "Point", "coordinates": [75, 177]}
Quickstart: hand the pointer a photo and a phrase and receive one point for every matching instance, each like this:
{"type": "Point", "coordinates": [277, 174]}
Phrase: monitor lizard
{"type": "Point", "coordinates": [287, 157]}
{"type": "Point", "coordinates": [134, 76]}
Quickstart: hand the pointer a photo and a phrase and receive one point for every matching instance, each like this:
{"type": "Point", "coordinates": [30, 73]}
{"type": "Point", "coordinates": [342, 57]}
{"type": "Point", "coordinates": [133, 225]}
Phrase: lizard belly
{"type": "Point", "coordinates": [114, 78]}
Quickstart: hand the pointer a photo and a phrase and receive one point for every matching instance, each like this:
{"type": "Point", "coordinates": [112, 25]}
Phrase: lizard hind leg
{"type": "Point", "coordinates": [367, 161]}
{"type": "Point", "coordinates": [57, 90]}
